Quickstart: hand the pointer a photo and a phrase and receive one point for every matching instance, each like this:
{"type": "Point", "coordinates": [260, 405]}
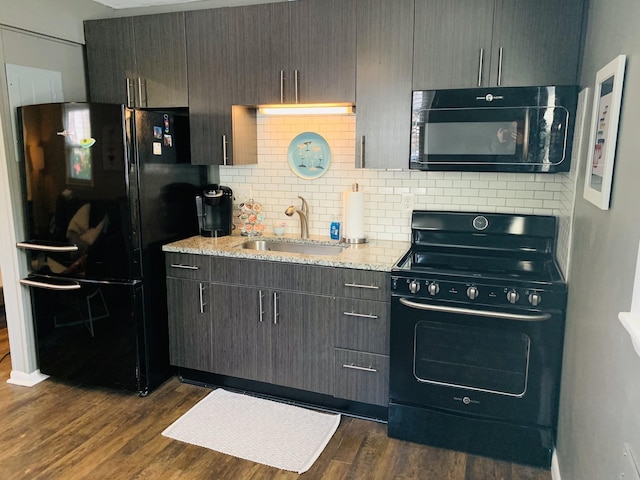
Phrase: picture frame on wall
{"type": "Point", "coordinates": [605, 116]}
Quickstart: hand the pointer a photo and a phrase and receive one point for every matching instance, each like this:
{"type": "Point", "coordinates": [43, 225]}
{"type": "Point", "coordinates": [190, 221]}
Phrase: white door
{"type": "Point", "coordinates": [26, 86]}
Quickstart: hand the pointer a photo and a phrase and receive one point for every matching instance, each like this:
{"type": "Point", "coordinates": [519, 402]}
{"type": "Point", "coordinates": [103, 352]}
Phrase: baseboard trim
{"type": "Point", "coordinates": [26, 379]}
{"type": "Point", "coordinates": [555, 466]}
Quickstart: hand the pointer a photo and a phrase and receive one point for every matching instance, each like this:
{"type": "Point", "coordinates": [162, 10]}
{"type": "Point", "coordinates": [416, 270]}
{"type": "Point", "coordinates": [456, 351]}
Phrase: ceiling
{"type": "Point", "coordinates": [139, 3]}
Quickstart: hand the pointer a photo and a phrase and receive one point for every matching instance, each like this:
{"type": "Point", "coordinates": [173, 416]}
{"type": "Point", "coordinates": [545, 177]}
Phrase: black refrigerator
{"type": "Point", "coordinates": [104, 187]}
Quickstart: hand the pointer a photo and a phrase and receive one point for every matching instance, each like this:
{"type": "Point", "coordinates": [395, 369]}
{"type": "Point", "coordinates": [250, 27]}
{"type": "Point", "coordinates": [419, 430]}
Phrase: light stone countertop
{"type": "Point", "coordinates": [380, 255]}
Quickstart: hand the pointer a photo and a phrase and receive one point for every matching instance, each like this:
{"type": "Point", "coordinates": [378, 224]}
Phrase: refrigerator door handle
{"type": "Point", "coordinates": [47, 247]}
{"type": "Point", "coordinates": [50, 286]}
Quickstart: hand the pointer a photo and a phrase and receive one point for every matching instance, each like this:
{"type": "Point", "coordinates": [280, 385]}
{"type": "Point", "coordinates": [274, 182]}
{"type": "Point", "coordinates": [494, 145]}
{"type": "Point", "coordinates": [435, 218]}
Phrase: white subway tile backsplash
{"type": "Point", "coordinates": [272, 183]}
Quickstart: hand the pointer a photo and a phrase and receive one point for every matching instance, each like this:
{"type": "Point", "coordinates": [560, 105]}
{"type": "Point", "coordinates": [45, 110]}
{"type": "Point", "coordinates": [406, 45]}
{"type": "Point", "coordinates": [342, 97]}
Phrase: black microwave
{"type": "Point", "coordinates": [502, 129]}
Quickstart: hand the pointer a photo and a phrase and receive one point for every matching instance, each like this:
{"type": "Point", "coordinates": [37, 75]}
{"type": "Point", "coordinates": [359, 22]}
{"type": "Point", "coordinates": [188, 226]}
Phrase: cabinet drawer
{"type": "Point", "coordinates": [363, 325]}
{"type": "Point", "coordinates": [364, 284]}
{"type": "Point", "coordinates": [185, 265]}
{"type": "Point", "coordinates": [362, 377]}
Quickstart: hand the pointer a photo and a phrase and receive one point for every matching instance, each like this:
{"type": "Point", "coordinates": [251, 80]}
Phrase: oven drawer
{"type": "Point", "coordinates": [362, 377]}
{"type": "Point", "coordinates": [363, 284]}
{"type": "Point", "coordinates": [189, 266]}
{"type": "Point", "coordinates": [363, 325]}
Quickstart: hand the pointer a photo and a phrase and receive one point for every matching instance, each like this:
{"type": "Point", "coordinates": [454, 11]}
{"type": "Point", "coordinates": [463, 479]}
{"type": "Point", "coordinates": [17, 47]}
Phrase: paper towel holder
{"type": "Point", "coordinates": [351, 240]}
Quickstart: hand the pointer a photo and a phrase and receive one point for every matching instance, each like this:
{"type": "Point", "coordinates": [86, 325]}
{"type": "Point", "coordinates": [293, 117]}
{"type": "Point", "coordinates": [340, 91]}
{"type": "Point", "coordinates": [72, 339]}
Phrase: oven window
{"type": "Point", "coordinates": [473, 358]}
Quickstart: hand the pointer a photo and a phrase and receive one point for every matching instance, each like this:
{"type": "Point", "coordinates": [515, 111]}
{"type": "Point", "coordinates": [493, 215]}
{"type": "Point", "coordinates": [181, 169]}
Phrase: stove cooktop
{"type": "Point", "coordinates": [476, 267]}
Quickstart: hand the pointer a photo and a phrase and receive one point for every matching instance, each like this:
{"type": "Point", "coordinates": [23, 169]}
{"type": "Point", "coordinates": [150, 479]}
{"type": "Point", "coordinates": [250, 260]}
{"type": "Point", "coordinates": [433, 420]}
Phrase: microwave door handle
{"type": "Point", "coordinates": [478, 313]}
{"type": "Point", "coordinates": [525, 136]}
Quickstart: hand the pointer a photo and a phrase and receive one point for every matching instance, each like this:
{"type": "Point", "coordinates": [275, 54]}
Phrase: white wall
{"type": "Point", "coordinates": [56, 18]}
{"type": "Point", "coordinates": [34, 50]}
{"type": "Point", "coordinates": [600, 390]}
{"type": "Point", "coordinates": [276, 186]}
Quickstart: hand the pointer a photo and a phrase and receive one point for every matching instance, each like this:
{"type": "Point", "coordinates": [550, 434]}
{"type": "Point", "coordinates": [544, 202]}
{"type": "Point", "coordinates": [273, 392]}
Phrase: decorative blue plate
{"type": "Point", "coordinates": [309, 155]}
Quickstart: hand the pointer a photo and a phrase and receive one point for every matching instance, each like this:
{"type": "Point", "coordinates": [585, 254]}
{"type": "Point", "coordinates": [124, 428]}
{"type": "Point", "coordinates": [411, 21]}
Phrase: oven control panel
{"type": "Point", "coordinates": [436, 289]}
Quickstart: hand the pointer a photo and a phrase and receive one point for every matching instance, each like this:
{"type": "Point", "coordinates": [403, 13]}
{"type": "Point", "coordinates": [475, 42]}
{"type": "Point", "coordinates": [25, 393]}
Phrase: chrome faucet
{"type": "Point", "coordinates": [304, 222]}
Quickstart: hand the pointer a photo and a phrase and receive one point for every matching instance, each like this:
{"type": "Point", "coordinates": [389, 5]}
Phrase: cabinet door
{"type": "Point", "coordinates": [260, 43]}
{"type": "Point", "coordinates": [161, 60]}
{"type": "Point", "coordinates": [241, 332]}
{"type": "Point", "coordinates": [323, 50]}
{"type": "Point", "coordinates": [540, 42]}
{"type": "Point", "coordinates": [190, 332]}
{"type": "Point", "coordinates": [452, 43]}
{"type": "Point", "coordinates": [110, 59]}
{"type": "Point", "coordinates": [211, 78]}
{"type": "Point", "coordinates": [383, 85]}
{"type": "Point", "coordinates": [302, 341]}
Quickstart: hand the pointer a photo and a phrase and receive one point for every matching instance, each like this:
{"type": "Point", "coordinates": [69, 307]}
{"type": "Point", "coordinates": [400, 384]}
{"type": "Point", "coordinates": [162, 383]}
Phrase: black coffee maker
{"type": "Point", "coordinates": [215, 211]}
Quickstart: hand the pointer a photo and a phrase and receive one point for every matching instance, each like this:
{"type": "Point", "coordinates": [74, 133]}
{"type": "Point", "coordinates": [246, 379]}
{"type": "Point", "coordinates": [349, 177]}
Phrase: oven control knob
{"type": "Point", "coordinates": [472, 293]}
{"type": "Point", "coordinates": [433, 288]}
{"type": "Point", "coordinates": [535, 299]}
{"type": "Point", "coordinates": [512, 296]}
{"type": "Point", "coordinates": [414, 286]}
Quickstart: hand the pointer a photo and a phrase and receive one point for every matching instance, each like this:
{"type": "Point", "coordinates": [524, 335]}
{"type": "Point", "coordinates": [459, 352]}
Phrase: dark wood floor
{"type": "Point", "coordinates": [54, 431]}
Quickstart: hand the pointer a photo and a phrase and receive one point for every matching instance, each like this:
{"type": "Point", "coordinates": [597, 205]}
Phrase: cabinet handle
{"type": "Point", "coordinates": [362, 151]}
{"type": "Point", "coordinates": [360, 315]}
{"type": "Point", "coordinates": [357, 285]}
{"type": "Point", "coordinates": [296, 84]}
{"type": "Point", "coordinates": [184, 267]}
{"type": "Point", "coordinates": [261, 305]}
{"type": "Point", "coordinates": [281, 86]}
{"type": "Point", "coordinates": [224, 150]}
{"type": "Point", "coordinates": [356, 367]}
{"type": "Point", "coordinates": [480, 66]}
{"type": "Point", "coordinates": [142, 92]}
{"type": "Point", "coordinates": [275, 308]}
{"type": "Point", "coordinates": [500, 66]}
{"type": "Point", "coordinates": [129, 86]}
{"type": "Point", "coordinates": [201, 292]}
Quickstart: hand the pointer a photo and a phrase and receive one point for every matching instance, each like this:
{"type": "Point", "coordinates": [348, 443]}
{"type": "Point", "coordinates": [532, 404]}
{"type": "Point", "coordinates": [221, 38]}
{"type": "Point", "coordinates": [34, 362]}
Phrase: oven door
{"type": "Point", "coordinates": [491, 363]}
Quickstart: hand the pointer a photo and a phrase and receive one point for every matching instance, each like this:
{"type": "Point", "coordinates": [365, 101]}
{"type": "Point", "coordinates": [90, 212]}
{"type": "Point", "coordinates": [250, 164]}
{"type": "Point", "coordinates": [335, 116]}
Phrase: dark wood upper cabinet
{"type": "Point", "coordinates": [161, 60]}
{"type": "Point", "coordinates": [138, 61]}
{"type": "Point", "coordinates": [323, 50]}
{"type": "Point", "coordinates": [540, 42]}
{"type": "Point", "coordinates": [383, 85]}
{"type": "Point", "coordinates": [110, 62]}
{"type": "Point", "coordinates": [480, 43]}
{"type": "Point", "coordinates": [297, 52]}
{"type": "Point", "coordinates": [211, 84]}
{"type": "Point", "coordinates": [452, 43]}
{"type": "Point", "coordinates": [261, 45]}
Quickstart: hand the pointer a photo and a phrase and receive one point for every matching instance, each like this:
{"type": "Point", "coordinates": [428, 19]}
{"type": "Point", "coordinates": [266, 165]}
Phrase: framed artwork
{"type": "Point", "coordinates": [309, 155]}
{"type": "Point", "coordinates": [607, 99]}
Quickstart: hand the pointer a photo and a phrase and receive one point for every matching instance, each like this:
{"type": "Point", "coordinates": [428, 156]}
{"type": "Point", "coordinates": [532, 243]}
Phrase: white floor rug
{"type": "Point", "coordinates": [263, 431]}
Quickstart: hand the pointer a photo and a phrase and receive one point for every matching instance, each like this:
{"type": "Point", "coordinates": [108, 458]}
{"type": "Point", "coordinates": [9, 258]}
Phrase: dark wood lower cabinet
{"type": "Point", "coordinates": [301, 349]}
{"type": "Point", "coordinates": [272, 336]}
{"type": "Point", "coordinates": [283, 324]}
{"type": "Point", "coordinates": [190, 334]}
{"type": "Point", "coordinates": [362, 377]}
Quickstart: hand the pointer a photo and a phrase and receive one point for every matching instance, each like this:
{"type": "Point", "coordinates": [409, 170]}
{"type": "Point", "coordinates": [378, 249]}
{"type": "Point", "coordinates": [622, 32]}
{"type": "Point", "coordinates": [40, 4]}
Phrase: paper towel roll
{"type": "Point", "coordinates": [353, 215]}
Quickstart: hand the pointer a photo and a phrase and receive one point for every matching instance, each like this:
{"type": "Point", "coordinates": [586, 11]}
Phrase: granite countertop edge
{"type": "Point", "coordinates": [379, 255]}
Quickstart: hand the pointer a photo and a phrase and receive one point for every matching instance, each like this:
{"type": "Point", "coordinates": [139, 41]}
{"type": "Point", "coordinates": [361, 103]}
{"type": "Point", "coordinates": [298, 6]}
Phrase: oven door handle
{"type": "Point", "coordinates": [479, 313]}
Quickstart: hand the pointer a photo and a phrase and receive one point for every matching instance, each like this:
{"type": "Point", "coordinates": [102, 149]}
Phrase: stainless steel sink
{"type": "Point", "coordinates": [304, 248]}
